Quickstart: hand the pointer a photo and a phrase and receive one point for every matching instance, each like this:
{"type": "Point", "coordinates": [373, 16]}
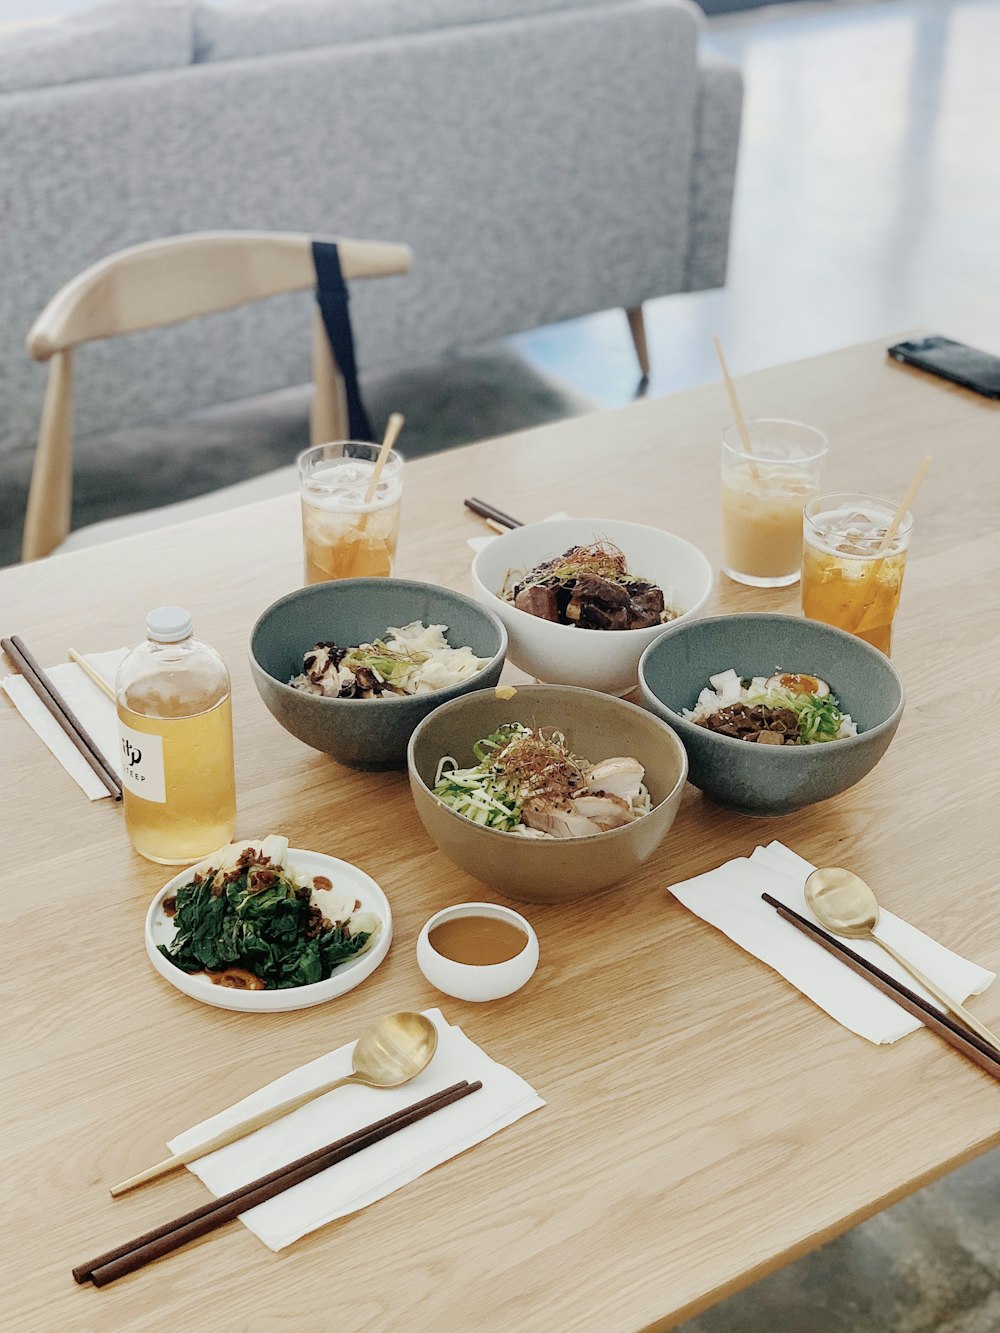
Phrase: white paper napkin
{"type": "Point", "coordinates": [375, 1172]}
{"type": "Point", "coordinates": [477, 543]}
{"type": "Point", "coordinates": [729, 898]}
{"type": "Point", "coordinates": [94, 709]}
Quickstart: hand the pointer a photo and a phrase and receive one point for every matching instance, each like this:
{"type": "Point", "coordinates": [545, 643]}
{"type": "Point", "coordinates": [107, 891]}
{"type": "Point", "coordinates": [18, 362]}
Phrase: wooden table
{"type": "Point", "coordinates": [701, 1113]}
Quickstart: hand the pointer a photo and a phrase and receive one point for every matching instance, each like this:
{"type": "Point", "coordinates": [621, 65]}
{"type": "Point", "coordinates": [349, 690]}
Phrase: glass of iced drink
{"type": "Point", "coordinates": [848, 580]}
{"type": "Point", "coordinates": [344, 535]}
{"type": "Point", "coordinates": [763, 494]}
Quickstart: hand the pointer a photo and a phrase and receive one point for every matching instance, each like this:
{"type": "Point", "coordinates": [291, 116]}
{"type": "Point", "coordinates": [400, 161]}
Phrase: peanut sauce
{"type": "Point", "coordinates": [478, 940]}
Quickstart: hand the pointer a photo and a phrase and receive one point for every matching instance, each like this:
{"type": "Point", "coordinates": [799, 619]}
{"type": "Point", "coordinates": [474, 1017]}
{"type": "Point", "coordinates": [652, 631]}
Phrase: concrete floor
{"type": "Point", "coordinates": [929, 1265]}
{"type": "Point", "coordinates": [868, 200]}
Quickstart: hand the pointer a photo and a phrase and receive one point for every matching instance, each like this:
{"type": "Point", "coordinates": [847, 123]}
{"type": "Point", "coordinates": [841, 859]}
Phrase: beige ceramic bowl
{"type": "Point", "coordinates": [596, 726]}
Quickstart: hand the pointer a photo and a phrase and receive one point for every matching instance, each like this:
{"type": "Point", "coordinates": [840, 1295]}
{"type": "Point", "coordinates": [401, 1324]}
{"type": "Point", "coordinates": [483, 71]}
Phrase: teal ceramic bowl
{"type": "Point", "coordinates": [364, 733]}
{"type": "Point", "coordinates": [771, 779]}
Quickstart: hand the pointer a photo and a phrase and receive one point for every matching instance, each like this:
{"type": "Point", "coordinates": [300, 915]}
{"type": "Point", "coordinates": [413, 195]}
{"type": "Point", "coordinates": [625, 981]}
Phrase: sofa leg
{"type": "Point", "coordinates": [637, 327]}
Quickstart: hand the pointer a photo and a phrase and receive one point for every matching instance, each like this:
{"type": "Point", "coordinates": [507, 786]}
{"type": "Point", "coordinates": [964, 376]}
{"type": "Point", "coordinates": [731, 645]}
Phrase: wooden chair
{"type": "Point", "coordinates": [165, 282]}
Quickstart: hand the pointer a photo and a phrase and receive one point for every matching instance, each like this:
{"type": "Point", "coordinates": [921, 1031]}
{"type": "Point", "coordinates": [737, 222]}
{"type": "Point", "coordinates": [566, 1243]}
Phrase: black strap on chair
{"type": "Point", "coordinates": [331, 293]}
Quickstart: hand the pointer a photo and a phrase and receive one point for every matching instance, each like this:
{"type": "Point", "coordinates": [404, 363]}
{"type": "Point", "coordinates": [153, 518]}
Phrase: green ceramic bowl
{"type": "Point", "coordinates": [596, 726]}
{"type": "Point", "coordinates": [771, 779]}
{"type": "Point", "coordinates": [364, 733]}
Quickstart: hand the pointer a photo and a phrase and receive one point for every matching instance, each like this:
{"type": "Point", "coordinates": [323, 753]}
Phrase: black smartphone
{"type": "Point", "coordinates": [953, 361]}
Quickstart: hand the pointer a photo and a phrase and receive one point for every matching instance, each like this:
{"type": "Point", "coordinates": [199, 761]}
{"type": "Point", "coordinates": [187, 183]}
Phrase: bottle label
{"type": "Point", "coordinates": [142, 764]}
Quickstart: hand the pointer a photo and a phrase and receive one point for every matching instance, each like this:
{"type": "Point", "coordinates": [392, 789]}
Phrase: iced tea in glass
{"type": "Point", "coordinates": [345, 536]}
{"type": "Point", "coordinates": [763, 494]}
{"type": "Point", "coordinates": [845, 581]}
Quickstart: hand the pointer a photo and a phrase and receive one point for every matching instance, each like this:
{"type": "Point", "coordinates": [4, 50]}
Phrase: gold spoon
{"type": "Point", "coordinates": [845, 905]}
{"type": "Point", "coordinates": [396, 1049]}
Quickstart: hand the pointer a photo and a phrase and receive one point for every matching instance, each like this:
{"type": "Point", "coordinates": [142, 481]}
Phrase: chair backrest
{"type": "Point", "coordinates": [166, 282]}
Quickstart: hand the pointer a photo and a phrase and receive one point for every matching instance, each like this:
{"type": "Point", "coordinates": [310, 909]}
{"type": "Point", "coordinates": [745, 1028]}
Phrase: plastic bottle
{"type": "Point", "coordinates": [175, 724]}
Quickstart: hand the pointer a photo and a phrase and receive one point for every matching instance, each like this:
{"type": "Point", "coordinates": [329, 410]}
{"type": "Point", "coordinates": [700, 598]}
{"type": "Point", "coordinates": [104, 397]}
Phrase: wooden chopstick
{"type": "Point", "coordinates": [84, 1272]}
{"type": "Point", "coordinates": [956, 1034]}
{"type": "Point", "coordinates": [485, 510]}
{"type": "Point", "coordinates": [92, 674]}
{"type": "Point", "coordinates": [18, 652]}
{"type": "Point", "coordinates": [162, 1240]}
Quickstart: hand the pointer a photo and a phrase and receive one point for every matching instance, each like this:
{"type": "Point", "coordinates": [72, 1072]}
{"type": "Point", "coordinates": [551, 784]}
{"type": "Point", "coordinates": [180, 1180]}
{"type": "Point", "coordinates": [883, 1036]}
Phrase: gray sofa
{"type": "Point", "coordinates": [544, 159]}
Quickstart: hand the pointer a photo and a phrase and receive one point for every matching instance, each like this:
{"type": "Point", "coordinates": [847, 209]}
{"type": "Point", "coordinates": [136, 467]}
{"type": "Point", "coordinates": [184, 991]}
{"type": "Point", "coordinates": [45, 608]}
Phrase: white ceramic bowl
{"type": "Point", "coordinates": [350, 878]}
{"type": "Point", "coordinates": [466, 981]}
{"type": "Point", "coordinates": [606, 660]}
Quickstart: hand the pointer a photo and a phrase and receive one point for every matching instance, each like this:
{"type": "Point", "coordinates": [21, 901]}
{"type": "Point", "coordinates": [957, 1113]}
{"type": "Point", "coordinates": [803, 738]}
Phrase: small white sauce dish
{"type": "Point", "coordinates": [477, 981]}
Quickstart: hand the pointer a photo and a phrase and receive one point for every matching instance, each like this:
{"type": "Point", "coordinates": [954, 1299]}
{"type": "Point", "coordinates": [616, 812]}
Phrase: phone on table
{"type": "Point", "coordinates": [953, 361]}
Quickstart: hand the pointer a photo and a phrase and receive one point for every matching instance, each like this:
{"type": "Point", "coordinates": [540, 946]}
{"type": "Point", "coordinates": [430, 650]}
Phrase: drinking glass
{"type": "Point", "coordinates": [763, 493]}
{"type": "Point", "coordinates": [343, 535]}
{"type": "Point", "coordinates": [845, 581]}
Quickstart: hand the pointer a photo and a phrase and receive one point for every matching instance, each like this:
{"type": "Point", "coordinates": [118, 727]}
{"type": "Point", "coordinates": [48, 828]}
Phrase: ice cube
{"type": "Point", "coordinates": [850, 548]}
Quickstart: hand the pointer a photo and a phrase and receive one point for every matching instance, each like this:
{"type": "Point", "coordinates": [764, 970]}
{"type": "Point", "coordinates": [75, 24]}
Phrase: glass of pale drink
{"type": "Point", "coordinates": [848, 579]}
{"type": "Point", "coordinates": [344, 534]}
{"type": "Point", "coordinates": [763, 495]}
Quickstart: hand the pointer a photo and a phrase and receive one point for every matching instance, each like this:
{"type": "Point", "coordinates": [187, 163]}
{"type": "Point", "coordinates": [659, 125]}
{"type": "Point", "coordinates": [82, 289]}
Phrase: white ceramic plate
{"type": "Point", "coordinates": [346, 878]}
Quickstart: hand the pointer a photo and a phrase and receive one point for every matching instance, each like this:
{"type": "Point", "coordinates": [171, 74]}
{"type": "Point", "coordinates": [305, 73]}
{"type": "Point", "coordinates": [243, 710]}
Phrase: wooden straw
{"type": "Point", "coordinates": [881, 553]}
{"type": "Point", "coordinates": [163, 1240]}
{"type": "Point", "coordinates": [394, 426]}
{"type": "Point", "coordinates": [734, 403]}
{"type": "Point", "coordinates": [904, 504]}
{"type": "Point", "coordinates": [92, 674]}
{"type": "Point", "coordinates": [492, 514]}
{"type": "Point", "coordinates": [18, 652]}
{"type": "Point", "coordinates": [956, 1034]}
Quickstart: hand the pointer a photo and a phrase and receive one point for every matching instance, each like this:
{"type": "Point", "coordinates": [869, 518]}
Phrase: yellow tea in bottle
{"type": "Point", "coordinates": [176, 731]}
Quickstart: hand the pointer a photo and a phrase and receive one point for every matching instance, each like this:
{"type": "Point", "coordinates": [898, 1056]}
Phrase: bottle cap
{"type": "Point", "coordinates": [169, 624]}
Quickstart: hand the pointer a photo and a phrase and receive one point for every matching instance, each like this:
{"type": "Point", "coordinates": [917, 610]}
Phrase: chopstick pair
{"type": "Point", "coordinates": [969, 1043]}
{"type": "Point", "coordinates": [170, 1236]}
{"type": "Point", "coordinates": [18, 652]}
{"type": "Point", "coordinates": [491, 514]}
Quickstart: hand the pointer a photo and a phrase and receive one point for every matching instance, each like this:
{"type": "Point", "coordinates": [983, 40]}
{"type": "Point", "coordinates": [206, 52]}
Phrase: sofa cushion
{"type": "Point", "coordinates": [243, 28]}
{"type": "Point", "coordinates": [121, 37]}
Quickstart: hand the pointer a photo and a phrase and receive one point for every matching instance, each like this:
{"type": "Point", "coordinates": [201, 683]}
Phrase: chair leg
{"type": "Point", "coordinates": [637, 327]}
{"type": "Point", "coordinates": [328, 420]}
{"type": "Point", "coordinates": [50, 497]}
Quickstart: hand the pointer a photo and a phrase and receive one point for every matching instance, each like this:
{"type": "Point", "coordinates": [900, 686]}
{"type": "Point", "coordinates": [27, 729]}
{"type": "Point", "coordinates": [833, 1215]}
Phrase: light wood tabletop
{"type": "Point", "coordinates": [704, 1122]}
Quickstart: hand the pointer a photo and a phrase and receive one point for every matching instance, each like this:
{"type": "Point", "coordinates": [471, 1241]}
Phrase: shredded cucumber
{"type": "Point", "coordinates": [498, 740]}
{"type": "Point", "coordinates": [470, 792]}
{"type": "Point", "coordinates": [480, 793]}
